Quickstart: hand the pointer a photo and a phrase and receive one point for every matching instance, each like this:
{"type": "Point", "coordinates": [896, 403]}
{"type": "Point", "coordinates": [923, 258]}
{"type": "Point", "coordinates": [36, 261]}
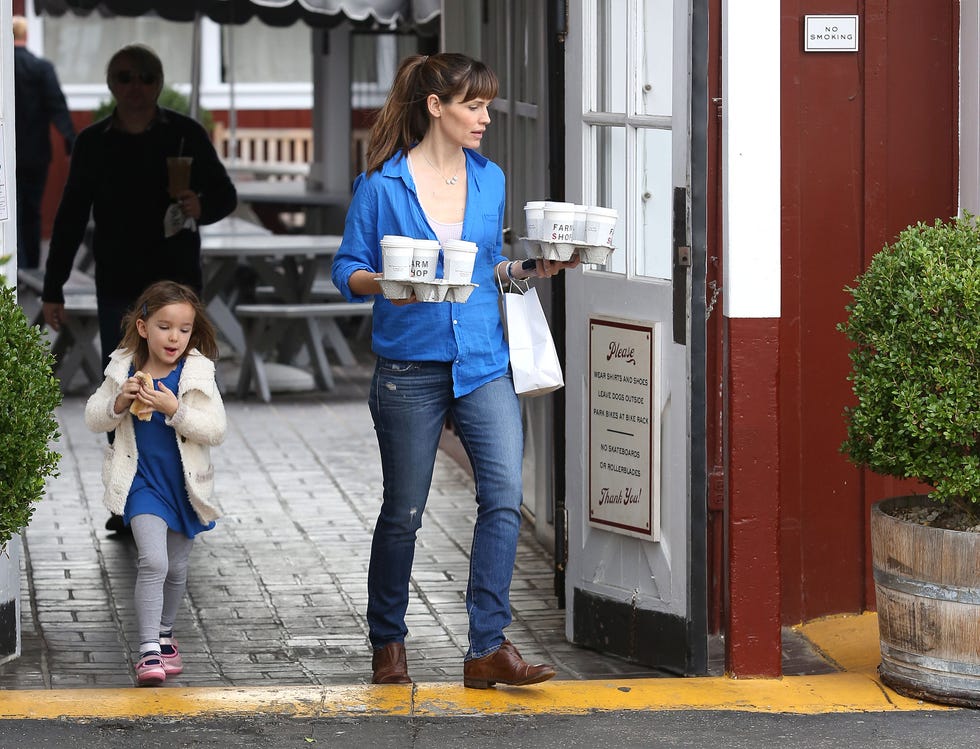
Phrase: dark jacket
{"type": "Point", "coordinates": [38, 102]}
{"type": "Point", "coordinates": [122, 179]}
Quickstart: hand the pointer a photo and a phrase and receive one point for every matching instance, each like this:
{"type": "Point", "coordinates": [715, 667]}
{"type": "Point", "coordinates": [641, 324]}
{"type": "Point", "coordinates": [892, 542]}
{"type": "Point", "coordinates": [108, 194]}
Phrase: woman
{"type": "Point", "coordinates": [425, 179]}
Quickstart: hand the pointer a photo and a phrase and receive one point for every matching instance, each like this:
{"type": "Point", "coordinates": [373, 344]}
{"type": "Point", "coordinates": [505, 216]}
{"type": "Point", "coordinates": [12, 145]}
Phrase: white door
{"type": "Point", "coordinates": [636, 557]}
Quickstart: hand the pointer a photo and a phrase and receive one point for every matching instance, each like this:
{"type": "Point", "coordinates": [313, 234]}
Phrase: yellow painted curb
{"type": "Point", "coordinates": [850, 640]}
{"type": "Point", "coordinates": [195, 701]}
{"type": "Point", "coordinates": [833, 693]}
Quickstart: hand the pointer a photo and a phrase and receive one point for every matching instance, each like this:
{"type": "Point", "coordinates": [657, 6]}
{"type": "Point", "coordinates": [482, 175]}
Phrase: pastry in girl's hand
{"type": "Point", "coordinates": [140, 410]}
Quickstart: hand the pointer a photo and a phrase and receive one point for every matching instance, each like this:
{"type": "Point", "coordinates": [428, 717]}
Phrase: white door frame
{"type": "Point", "coordinates": [643, 599]}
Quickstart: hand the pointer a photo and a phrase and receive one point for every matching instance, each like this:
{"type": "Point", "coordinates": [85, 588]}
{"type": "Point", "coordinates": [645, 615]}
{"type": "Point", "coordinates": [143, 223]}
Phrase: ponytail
{"type": "Point", "coordinates": [403, 120]}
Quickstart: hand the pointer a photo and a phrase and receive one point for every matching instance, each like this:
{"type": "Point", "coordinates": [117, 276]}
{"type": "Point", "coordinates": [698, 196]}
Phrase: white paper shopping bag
{"type": "Point", "coordinates": [533, 358]}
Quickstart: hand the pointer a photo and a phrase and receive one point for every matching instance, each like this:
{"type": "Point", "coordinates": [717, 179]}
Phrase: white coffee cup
{"type": "Point", "coordinates": [559, 221]}
{"type": "Point", "coordinates": [425, 259]}
{"type": "Point", "coordinates": [600, 225]}
{"type": "Point", "coordinates": [396, 254]}
{"type": "Point", "coordinates": [533, 216]}
{"type": "Point", "coordinates": [578, 226]}
{"type": "Point", "coordinates": [459, 257]}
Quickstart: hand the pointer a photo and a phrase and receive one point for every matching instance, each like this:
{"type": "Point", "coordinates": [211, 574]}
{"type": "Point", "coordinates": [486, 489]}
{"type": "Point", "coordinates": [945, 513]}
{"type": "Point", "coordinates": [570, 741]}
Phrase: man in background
{"type": "Point", "coordinates": [39, 103]}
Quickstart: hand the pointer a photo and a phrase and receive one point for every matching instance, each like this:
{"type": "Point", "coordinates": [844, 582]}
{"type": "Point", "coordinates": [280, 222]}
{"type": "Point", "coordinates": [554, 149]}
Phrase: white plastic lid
{"type": "Point", "coordinates": [460, 244]}
{"type": "Point", "coordinates": [395, 239]}
{"type": "Point", "coordinates": [534, 204]}
{"type": "Point", "coordinates": [598, 210]}
{"type": "Point", "coordinates": [555, 206]}
{"type": "Point", "coordinates": [426, 244]}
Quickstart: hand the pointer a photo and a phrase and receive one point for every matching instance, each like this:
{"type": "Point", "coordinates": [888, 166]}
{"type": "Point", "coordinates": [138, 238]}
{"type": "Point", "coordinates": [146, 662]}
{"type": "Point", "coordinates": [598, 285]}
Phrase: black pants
{"type": "Point", "coordinates": [30, 193]}
{"type": "Point", "coordinates": [111, 313]}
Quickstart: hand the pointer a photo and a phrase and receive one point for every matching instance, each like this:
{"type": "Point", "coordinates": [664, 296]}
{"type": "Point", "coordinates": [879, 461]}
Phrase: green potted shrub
{"type": "Point", "coordinates": [29, 396]}
{"type": "Point", "coordinates": [915, 325]}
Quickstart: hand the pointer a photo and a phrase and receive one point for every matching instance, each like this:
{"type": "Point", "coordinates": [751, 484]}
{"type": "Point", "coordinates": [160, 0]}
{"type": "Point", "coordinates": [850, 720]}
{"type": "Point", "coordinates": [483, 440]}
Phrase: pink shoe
{"type": "Point", "coordinates": [173, 664]}
{"type": "Point", "coordinates": [150, 671]}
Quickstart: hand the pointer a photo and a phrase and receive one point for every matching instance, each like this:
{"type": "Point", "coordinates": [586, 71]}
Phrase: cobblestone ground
{"type": "Point", "coordinates": [277, 591]}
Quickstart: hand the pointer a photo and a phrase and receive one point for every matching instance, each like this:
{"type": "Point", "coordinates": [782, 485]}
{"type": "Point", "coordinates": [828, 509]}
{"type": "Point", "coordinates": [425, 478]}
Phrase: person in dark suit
{"type": "Point", "coordinates": [39, 103]}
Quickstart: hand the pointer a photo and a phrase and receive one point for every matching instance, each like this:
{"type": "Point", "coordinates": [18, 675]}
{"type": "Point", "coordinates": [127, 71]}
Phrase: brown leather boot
{"type": "Point", "coordinates": [390, 665]}
{"type": "Point", "coordinates": [505, 666]}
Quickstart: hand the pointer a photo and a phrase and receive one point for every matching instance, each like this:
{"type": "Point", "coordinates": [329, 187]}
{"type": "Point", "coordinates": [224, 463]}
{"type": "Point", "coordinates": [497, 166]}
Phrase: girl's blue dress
{"type": "Point", "coordinates": [158, 487]}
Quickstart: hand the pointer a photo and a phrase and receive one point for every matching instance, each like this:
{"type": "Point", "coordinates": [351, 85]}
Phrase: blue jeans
{"type": "Point", "coordinates": [409, 403]}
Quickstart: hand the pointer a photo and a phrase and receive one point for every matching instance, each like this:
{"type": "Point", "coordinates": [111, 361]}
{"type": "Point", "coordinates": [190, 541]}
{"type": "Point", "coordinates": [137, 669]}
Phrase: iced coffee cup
{"type": "Point", "coordinates": [178, 174]}
{"type": "Point", "coordinates": [460, 257]}
{"type": "Point", "coordinates": [396, 257]}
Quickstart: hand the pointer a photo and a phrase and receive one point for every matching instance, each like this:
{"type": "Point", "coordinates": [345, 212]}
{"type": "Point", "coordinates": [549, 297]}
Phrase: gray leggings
{"type": "Point", "coordinates": [161, 574]}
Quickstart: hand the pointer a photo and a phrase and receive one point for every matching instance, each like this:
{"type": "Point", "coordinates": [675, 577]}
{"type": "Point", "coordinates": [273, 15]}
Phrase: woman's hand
{"type": "Point", "coordinates": [402, 302]}
{"type": "Point", "coordinates": [368, 283]}
{"type": "Point", "coordinates": [549, 268]}
{"type": "Point", "coordinates": [542, 268]}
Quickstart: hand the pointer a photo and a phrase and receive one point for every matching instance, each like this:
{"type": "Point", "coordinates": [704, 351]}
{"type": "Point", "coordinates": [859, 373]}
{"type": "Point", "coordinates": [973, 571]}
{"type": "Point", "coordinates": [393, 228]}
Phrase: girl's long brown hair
{"type": "Point", "coordinates": [159, 295]}
{"type": "Point", "coordinates": [404, 118]}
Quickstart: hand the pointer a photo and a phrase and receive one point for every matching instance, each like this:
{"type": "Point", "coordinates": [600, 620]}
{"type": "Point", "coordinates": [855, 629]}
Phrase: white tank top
{"type": "Point", "coordinates": [443, 232]}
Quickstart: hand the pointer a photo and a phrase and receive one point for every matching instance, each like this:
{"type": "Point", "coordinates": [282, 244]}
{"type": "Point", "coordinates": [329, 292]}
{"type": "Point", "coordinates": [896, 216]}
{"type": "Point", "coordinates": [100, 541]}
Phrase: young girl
{"type": "Point", "coordinates": [158, 471]}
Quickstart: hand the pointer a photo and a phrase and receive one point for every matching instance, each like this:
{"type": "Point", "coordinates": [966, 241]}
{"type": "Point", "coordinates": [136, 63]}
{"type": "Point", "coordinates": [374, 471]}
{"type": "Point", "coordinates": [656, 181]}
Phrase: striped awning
{"type": "Point", "coordinates": [380, 14]}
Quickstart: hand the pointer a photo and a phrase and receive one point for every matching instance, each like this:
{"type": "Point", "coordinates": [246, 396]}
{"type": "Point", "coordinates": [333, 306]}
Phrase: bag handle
{"type": "Point", "coordinates": [514, 283]}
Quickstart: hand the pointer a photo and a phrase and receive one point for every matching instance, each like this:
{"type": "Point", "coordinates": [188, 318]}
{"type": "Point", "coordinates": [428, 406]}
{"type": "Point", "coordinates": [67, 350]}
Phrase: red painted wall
{"type": "Point", "coordinates": [869, 146]}
{"type": "Point", "coordinates": [58, 172]}
{"type": "Point", "coordinates": [752, 642]}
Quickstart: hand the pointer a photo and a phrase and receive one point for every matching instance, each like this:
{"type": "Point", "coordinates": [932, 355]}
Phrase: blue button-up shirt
{"type": "Point", "coordinates": [468, 335]}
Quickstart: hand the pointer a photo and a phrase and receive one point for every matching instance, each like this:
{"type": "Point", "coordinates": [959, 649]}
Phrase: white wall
{"type": "Point", "coordinates": [8, 226]}
{"type": "Point", "coordinates": [751, 157]}
{"type": "Point", "coordinates": [970, 106]}
{"type": "Point", "coordinates": [215, 93]}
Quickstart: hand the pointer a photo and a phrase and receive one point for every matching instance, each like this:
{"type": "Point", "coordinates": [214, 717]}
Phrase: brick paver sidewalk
{"type": "Point", "coordinates": [277, 591]}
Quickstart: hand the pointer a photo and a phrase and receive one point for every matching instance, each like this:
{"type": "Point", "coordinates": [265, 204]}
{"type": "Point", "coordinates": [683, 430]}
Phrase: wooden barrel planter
{"type": "Point", "coordinates": [927, 583]}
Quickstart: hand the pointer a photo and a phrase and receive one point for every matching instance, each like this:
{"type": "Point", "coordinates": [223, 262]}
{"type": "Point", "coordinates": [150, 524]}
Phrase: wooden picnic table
{"type": "Point", "coordinates": [75, 346]}
{"type": "Point", "coordinates": [286, 265]}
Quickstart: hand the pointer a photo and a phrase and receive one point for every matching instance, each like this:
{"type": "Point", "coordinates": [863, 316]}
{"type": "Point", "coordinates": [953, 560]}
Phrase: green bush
{"type": "Point", "coordinates": [29, 395]}
{"type": "Point", "coordinates": [915, 325]}
{"type": "Point", "coordinates": [169, 98]}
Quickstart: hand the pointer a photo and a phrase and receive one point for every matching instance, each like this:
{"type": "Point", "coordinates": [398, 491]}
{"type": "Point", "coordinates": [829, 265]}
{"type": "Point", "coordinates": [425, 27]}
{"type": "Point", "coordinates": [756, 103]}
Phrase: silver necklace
{"type": "Point", "coordinates": [451, 181]}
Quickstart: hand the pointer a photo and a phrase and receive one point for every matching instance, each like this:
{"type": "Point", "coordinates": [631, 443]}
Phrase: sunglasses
{"type": "Point", "coordinates": [125, 77]}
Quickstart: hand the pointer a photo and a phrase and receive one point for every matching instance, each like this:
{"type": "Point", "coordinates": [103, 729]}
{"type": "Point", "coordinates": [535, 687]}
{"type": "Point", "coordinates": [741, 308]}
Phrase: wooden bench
{"type": "Point", "coordinates": [267, 153]}
{"type": "Point", "coordinates": [76, 346]}
{"type": "Point", "coordinates": [256, 319]}
{"type": "Point", "coordinates": [277, 151]}
{"type": "Point", "coordinates": [270, 151]}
